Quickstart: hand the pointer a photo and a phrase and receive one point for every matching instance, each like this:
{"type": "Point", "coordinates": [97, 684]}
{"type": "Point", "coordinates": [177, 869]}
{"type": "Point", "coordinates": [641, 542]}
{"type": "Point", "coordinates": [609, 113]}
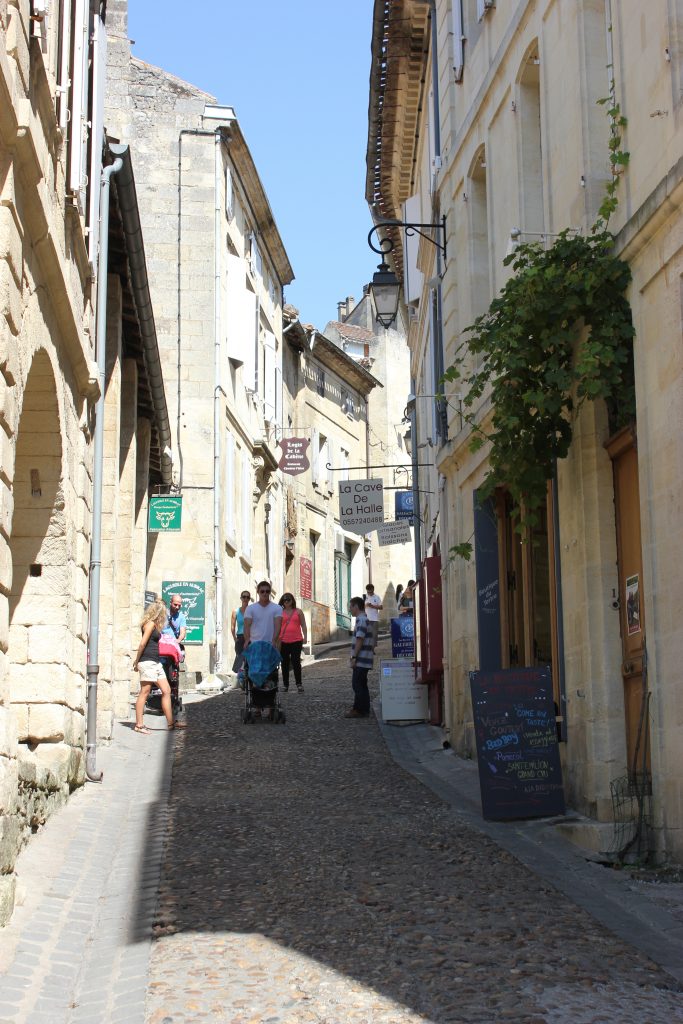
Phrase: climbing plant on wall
{"type": "Point", "coordinates": [560, 333]}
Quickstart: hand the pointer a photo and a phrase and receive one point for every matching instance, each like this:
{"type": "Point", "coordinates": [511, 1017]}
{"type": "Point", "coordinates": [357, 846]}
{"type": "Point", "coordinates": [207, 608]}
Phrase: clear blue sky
{"type": "Point", "coordinates": [297, 75]}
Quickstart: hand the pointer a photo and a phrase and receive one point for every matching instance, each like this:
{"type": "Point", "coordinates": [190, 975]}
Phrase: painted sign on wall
{"type": "Point", "coordinates": [193, 593]}
{"type": "Point", "coordinates": [165, 514]}
{"type": "Point", "coordinates": [306, 578]}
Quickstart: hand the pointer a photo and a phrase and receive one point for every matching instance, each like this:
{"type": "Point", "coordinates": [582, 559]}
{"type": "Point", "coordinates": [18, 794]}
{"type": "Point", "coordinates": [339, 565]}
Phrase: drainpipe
{"type": "Point", "coordinates": [217, 392]}
{"type": "Point", "coordinates": [93, 667]}
{"type": "Point", "coordinates": [367, 470]}
{"type": "Point", "coordinates": [417, 534]}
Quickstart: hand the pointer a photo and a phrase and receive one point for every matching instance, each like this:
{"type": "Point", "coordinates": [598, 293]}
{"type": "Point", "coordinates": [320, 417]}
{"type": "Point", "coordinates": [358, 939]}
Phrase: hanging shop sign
{"type": "Point", "coordinates": [165, 514]}
{"type": "Point", "coordinates": [403, 505]}
{"type": "Point", "coordinates": [403, 637]}
{"type": "Point", "coordinates": [393, 533]}
{"type": "Point", "coordinates": [361, 505]}
{"type": "Point", "coordinates": [193, 593]}
{"type": "Point", "coordinates": [294, 459]}
{"type": "Point", "coordinates": [306, 578]}
{"type": "Point", "coordinates": [520, 775]}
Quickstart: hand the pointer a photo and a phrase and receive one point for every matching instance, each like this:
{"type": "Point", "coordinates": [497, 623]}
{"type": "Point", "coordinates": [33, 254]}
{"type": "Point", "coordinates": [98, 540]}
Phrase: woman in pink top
{"type": "Point", "coordinates": [292, 638]}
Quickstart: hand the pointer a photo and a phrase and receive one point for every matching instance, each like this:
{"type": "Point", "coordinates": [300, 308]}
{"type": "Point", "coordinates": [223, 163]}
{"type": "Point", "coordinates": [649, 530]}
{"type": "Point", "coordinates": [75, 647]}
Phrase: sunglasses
{"type": "Point", "coordinates": [245, 597]}
{"type": "Point", "coordinates": [264, 591]}
{"type": "Point", "coordinates": [287, 598]}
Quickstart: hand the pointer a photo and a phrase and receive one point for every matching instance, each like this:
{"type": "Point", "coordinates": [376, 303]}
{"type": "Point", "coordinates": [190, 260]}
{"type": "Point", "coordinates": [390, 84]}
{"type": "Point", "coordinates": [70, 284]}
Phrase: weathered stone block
{"type": "Point", "coordinates": [9, 843]}
{"type": "Point", "coordinates": [8, 890]}
{"type": "Point", "coordinates": [46, 644]}
{"type": "Point", "coordinates": [8, 740]}
{"type": "Point", "coordinates": [46, 723]}
{"type": "Point", "coordinates": [8, 785]}
{"type": "Point", "coordinates": [34, 611]}
{"type": "Point", "coordinates": [11, 308]}
{"type": "Point", "coordinates": [6, 508]}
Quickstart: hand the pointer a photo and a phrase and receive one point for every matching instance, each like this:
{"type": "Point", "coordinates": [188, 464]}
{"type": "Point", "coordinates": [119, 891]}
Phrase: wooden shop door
{"type": "Point", "coordinates": [624, 454]}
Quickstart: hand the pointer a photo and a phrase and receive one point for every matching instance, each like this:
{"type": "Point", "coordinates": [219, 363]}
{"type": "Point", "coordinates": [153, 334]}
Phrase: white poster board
{"type": "Point", "coordinates": [403, 700]}
{"type": "Point", "coordinates": [361, 505]}
{"type": "Point", "coordinates": [397, 532]}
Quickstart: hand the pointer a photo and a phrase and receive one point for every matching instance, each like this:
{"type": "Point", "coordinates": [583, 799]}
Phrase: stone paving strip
{"type": "Point", "coordinates": [308, 878]}
{"type": "Point", "coordinates": [69, 954]}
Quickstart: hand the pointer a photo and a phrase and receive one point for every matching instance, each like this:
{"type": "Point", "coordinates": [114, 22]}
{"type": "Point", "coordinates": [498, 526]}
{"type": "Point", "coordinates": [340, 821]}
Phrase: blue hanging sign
{"type": "Point", "coordinates": [403, 637]}
{"type": "Point", "coordinates": [403, 504]}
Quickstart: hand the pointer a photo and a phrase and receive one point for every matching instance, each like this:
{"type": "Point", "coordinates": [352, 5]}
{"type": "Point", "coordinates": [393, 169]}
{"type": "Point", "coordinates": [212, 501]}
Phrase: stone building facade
{"type": "Point", "coordinates": [471, 117]}
{"type": "Point", "coordinates": [385, 353]}
{"type": "Point", "coordinates": [217, 270]}
{"type": "Point", "coordinates": [52, 67]}
{"type": "Point", "coordinates": [325, 401]}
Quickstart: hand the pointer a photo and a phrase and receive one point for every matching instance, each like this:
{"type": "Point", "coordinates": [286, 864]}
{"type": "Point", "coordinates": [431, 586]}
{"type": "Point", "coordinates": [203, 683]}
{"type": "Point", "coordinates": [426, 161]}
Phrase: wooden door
{"type": "Point", "coordinates": [624, 454]}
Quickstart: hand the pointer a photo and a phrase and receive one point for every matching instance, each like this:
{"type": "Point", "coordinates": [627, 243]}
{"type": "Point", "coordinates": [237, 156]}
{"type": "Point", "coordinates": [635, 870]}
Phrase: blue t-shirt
{"type": "Point", "coordinates": [174, 623]}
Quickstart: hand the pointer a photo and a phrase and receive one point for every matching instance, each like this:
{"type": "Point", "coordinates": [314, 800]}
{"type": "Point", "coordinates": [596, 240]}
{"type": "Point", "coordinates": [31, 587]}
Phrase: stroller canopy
{"type": "Point", "coordinates": [262, 659]}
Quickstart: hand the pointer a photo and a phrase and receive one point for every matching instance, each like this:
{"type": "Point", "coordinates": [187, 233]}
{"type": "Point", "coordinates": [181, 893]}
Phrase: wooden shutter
{"type": "Point", "coordinates": [269, 377]}
{"type": "Point", "coordinates": [246, 506]}
{"type": "Point", "coordinates": [78, 142]}
{"type": "Point", "coordinates": [99, 69]}
{"type": "Point", "coordinates": [412, 277]}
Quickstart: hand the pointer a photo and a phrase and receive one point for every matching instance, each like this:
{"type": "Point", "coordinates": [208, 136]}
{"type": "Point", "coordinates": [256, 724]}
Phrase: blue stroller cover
{"type": "Point", "coordinates": [262, 659]}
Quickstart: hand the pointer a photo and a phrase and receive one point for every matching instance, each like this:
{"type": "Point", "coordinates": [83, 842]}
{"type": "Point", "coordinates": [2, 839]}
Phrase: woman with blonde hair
{"type": "Point", "coordinates": [148, 664]}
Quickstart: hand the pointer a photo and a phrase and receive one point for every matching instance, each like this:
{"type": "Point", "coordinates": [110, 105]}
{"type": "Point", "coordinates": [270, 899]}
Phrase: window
{"type": "Point", "coordinates": [458, 39]}
{"type": "Point", "coordinates": [247, 513]}
{"type": "Point", "coordinates": [480, 282]}
{"type": "Point", "coordinates": [313, 539]}
{"type": "Point", "coordinates": [529, 121]}
{"type": "Point", "coordinates": [229, 194]}
{"type": "Point", "coordinates": [269, 381]}
{"type": "Point", "coordinates": [255, 261]}
{"type": "Point", "coordinates": [347, 405]}
{"type": "Point", "coordinates": [230, 486]}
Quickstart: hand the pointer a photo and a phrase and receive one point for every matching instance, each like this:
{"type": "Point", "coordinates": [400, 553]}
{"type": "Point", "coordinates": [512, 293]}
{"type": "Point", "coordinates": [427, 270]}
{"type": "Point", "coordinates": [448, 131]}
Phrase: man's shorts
{"type": "Point", "coordinates": [374, 629]}
{"type": "Point", "coordinates": [150, 671]}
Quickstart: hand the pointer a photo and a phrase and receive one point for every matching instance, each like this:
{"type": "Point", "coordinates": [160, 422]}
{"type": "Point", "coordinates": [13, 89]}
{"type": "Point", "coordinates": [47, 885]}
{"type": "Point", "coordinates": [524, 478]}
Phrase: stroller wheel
{"type": "Point", "coordinates": [246, 717]}
{"type": "Point", "coordinates": [275, 715]}
{"type": "Point", "coordinates": [283, 718]}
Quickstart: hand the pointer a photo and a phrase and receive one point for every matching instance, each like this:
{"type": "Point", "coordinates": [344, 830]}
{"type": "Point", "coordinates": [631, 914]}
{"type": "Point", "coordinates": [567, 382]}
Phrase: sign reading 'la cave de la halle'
{"type": "Point", "coordinates": [361, 505]}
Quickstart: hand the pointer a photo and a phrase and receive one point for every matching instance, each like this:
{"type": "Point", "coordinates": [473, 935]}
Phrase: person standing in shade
{"type": "Point", "coordinates": [407, 601]}
{"type": "Point", "coordinates": [362, 657]}
{"type": "Point", "coordinates": [373, 606]}
{"type": "Point", "coordinates": [176, 621]}
{"type": "Point", "coordinates": [237, 629]}
{"type": "Point", "coordinates": [293, 636]}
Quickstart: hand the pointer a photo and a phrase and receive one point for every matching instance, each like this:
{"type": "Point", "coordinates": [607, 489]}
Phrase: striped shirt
{"type": "Point", "coordinates": [367, 654]}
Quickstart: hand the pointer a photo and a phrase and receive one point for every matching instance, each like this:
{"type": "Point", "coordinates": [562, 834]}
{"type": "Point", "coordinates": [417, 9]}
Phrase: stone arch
{"type": "Point", "coordinates": [47, 705]}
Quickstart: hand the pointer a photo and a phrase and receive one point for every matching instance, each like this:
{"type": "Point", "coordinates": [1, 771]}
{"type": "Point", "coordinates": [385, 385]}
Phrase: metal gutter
{"type": "Point", "coordinates": [130, 218]}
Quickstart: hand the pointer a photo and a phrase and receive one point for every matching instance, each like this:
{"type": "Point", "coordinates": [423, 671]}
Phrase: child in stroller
{"type": "Point", "coordinates": [169, 655]}
{"type": "Point", "coordinates": [261, 694]}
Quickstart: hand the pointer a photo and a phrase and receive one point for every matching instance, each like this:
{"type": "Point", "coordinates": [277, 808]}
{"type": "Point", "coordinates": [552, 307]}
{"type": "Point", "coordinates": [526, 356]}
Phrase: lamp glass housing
{"type": "Point", "coordinates": [385, 288]}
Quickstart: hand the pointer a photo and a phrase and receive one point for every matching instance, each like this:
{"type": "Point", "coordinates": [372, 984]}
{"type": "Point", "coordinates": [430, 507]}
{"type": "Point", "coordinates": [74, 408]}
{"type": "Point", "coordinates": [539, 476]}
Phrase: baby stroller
{"type": "Point", "coordinates": [261, 692]}
{"type": "Point", "coordinates": [169, 655]}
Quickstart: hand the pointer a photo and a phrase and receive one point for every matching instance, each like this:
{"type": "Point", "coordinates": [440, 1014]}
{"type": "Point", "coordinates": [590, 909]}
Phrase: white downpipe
{"type": "Point", "coordinates": [218, 391]}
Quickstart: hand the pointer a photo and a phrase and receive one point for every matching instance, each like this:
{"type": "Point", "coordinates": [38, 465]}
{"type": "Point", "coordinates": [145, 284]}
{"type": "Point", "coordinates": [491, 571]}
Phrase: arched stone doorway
{"type": "Point", "coordinates": [44, 688]}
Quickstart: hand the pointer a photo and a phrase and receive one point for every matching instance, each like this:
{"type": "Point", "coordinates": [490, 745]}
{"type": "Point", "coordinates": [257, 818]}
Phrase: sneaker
{"type": "Point", "coordinates": [300, 689]}
{"type": "Point", "coordinates": [355, 714]}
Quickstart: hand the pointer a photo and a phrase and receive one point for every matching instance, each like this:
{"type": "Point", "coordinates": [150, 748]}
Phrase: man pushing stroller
{"type": "Point", "coordinates": [262, 622]}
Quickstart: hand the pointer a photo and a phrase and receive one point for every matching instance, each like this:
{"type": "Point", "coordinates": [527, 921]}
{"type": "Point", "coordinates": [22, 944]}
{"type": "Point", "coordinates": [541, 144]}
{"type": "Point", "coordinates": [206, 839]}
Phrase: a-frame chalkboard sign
{"type": "Point", "coordinates": [519, 760]}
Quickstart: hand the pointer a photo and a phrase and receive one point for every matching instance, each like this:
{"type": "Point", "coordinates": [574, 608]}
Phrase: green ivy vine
{"type": "Point", "coordinates": [559, 333]}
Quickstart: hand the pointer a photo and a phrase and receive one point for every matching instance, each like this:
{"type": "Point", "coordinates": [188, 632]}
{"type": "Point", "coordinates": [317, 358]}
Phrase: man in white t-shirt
{"type": "Point", "coordinates": [263, 619]}
{"type": "Point", "coordinates": [373, 606]}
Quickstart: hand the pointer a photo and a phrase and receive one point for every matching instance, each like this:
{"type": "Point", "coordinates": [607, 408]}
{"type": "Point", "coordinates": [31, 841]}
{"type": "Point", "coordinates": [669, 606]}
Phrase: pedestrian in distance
{"type": "Point", "coordinates": [293, 636]}
{"type": "Point", "coordinates": [362, 657]}
{"type": "Point", "coordinates": [263, 621]}
{"type": "Point", "coordinates": [399, 591]}
{"type": "Point", "coordinates": [373, 606]}
{"type": "Point", "coordinates": [237, 629]}
{"type": "Point", "coordinates": [407, 599]}
{"type": "Point", "coordinates": [148, 664]}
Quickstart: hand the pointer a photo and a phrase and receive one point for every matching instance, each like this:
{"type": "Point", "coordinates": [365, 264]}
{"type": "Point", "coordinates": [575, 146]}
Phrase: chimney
{"type": "Point", "coordinates": [350, 303]}
{"type": "Point", "coordinates": [341, 311]}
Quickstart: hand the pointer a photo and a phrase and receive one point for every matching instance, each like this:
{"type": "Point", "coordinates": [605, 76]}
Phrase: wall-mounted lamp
{"type": "Point", "coordinates": [385, 287]}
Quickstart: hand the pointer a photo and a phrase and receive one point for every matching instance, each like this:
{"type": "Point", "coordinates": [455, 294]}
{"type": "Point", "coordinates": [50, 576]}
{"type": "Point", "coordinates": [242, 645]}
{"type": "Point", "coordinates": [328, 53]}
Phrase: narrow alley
{"type": "Point", "coordinates": [304, 877]}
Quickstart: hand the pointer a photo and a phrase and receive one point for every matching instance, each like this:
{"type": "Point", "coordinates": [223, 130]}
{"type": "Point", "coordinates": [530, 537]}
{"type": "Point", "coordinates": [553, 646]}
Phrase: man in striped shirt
{"type": "Point", "coordinates": [362, 657]}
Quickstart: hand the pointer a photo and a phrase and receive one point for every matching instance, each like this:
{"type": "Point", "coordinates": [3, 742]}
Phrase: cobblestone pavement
{"type": "Point", "coordinates": [308, 878]}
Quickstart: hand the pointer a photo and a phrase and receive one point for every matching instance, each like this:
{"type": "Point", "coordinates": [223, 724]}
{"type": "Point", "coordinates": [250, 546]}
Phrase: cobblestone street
{"type": "Point", "coordinates": [305, 877]}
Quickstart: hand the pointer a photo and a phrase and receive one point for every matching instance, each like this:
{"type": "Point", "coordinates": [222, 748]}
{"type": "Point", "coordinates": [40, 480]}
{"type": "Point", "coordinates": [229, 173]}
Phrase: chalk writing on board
{"type": "Point", "coordinates": [519, 764]}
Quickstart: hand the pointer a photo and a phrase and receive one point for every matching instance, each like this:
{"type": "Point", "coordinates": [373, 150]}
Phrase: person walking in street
{"type": "Point", "coordinates": [362, 657]}
{"type": "Point", "coordinates": [237, 629]}
{"type": "Point", "coordinates": [293, 636]}
{"type": "Point", "coordinates": [263, 621]}
{"type": "Point", "coordinates": [373, 606]}
{"type": "Point", "coordinates": [406, 602]}
{"type": "Point", "coordinates": [148, 664]}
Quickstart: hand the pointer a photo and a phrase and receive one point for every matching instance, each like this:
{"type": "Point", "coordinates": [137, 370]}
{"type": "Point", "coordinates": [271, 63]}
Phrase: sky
{"type": "Point", "coordinates": [297, 75]}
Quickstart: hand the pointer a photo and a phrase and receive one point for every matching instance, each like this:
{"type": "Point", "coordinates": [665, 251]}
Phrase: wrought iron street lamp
{"type": "Point", "coordinates": [385, 286]}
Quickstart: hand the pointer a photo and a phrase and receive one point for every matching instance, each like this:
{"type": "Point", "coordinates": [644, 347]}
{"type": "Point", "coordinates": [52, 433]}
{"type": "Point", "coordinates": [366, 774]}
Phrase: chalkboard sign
{"type": "Point", "coordinates": [519, 760]}
{"type": "Point", "coordinates": [488, 585]}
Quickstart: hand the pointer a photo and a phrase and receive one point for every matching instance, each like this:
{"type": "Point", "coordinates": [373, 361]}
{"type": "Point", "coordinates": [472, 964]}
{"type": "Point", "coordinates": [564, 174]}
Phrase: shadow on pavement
{"type": "Point", "coordinates": [310, 835]}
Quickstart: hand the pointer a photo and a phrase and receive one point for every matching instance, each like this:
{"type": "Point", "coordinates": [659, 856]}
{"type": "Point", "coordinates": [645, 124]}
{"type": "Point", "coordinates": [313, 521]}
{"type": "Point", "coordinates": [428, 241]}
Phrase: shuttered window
{"type": "Point", "coordinates": [412, 277]}
{"type": "Point", "coordinates": [269, 382]}
{"type": "Point", "coordinates": [246, 506]}
{"type": "Point", "coordinates": [78, 140]}
{"type": "Point", "coordinates": [458, 48]}
{"type": "Point", "coordinates": [99, 70]}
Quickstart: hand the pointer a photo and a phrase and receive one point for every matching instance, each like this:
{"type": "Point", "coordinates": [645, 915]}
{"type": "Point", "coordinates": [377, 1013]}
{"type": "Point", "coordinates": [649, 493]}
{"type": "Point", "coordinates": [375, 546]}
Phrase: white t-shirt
{"type": "Point", "coordinates": [372, 603]}
{"type": "Point", "coordinates": [262, 618]}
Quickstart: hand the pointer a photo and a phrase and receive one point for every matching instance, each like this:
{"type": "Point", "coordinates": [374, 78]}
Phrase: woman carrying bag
{"type": "Point", "coordinates": [293, 636]}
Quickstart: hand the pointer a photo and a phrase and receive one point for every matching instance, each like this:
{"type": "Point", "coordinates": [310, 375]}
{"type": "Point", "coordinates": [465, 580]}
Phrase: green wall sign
{"type": "Point", "coordinates": [165, 514]}
{"type": "Point", "coordinates": [194, 605]}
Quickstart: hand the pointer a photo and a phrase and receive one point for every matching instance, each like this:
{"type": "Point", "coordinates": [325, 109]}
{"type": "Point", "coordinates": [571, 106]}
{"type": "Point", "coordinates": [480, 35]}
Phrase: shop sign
{"type": "Point", "coordinates": [403, 505]}
{"type": "Point", "coordinates": [306, 578]}
{"type": "Point", "coordinates": [403, 637]}
{"type": "Point", "coordinates": [393, 533]}
{"type": "Point", "coordinates": [193, 593]}
{"type": "Point", "coordinates": [165, 514]}
{"type": "Point", "coordinates": [294, 459]}
{"type": "Point", "coordinates": [361, 505]}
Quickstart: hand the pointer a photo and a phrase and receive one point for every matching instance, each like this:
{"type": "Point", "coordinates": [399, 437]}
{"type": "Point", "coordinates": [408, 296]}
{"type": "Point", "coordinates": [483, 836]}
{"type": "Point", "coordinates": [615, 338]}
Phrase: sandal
{"type": "Point", "coordinates": [142, 729]}
{"type": "Point", "coordinates": [177, 725]}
